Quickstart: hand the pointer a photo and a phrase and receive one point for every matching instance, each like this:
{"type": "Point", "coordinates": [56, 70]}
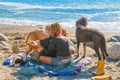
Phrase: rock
{"type": "Point", "coordinates": [3, 43]}
{"type": "Point", "coordinates": [117, 37]}
{"type": "Point", "coordinates": [1, 46]}
{"type": "Point", "coordinates": [90, 44]}
{"type": "Point", "coordinates": [72, 49]}
{"type": "Point", "coordinates": [118, 78]}
{"type": "Point", "coordinates": [114, 39]}
{"type": "Point", "coordinates": [71, 46]}
{"type": "Point", "coordinates": [3, 37]}
{"type": "Point", "coordinates": [114, 50]}
{"type": "Point", "coordinates": [74, 41]}
{"type": "Point", "coordinates": [118, 64]}
{"type": "Point", "coordinates": [5, 48]}
{"type": "Point", "coordinates": [18, 38]}
{"type": "Point", "coordinates": [70, 42]}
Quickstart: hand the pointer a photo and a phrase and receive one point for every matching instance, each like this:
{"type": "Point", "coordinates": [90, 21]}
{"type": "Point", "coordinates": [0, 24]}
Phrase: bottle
{"type": "Point", "coordinates": [7, 62]}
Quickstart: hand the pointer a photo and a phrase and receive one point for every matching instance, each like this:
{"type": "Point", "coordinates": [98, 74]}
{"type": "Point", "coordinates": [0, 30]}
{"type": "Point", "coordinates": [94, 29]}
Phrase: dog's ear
{"type": "Point", "coordinates": [22, 62]}
{"type": "Point", "coordinates": [17, 61]}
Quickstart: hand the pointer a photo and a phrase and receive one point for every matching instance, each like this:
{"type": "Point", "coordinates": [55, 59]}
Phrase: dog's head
{"type": "Point", "coordinates": [82, 22]}
{"type": "Point", "coordinates": [47, 29]}
{"type": "Point", "coordinates": [18, 61]}
{"type": "Point", "coordinates": [64, 31]}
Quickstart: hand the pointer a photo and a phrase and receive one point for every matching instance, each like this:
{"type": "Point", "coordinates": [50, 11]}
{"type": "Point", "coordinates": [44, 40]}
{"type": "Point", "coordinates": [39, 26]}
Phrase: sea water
{"type": "Point", "coordinates": [102, 14]}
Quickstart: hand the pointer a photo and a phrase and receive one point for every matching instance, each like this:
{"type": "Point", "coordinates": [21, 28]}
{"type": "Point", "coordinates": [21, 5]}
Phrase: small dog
{"type": "Point", "coordinates": [17, 59]}
{"type": "Point", "coordinates": [84, 35]}
{"type": "Point", "coordinates": [38, 34]}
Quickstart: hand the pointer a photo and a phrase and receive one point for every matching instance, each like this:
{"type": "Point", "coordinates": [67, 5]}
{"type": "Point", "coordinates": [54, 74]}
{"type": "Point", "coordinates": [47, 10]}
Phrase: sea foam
{"type": "Point", "coordinates": [103, 26]}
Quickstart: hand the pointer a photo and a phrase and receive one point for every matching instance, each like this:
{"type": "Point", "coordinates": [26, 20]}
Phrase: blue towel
{"type": "Point", "coordinates": [33, 67]}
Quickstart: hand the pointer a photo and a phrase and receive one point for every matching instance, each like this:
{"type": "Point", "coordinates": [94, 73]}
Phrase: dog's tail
{"type": "Point", "coordinates": [103, 47]}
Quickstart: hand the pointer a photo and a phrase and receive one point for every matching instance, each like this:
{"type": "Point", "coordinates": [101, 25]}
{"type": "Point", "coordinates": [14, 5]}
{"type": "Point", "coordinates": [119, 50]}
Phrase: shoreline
{"type": "Point", "coordinates": [6, 29]}
{"type": "Point", "coordinates": [100, 25]}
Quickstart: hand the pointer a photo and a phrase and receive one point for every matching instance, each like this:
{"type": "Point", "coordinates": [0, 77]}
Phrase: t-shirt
{"type": "Point", "coordinates": [61, 45]}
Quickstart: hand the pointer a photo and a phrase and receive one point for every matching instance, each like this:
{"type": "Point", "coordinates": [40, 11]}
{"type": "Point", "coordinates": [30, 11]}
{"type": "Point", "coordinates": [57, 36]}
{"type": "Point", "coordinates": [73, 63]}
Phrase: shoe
{"type": "Point", "coordinates": [100, 68]}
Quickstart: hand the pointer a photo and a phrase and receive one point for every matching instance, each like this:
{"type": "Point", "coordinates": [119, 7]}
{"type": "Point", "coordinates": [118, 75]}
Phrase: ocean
{"type": "Point", "coordinates": [102, 14]}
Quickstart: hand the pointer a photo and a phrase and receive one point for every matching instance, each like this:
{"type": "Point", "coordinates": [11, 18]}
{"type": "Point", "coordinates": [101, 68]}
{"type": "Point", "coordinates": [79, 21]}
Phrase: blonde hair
{"type": "Point", "coordinates": [55, 27]}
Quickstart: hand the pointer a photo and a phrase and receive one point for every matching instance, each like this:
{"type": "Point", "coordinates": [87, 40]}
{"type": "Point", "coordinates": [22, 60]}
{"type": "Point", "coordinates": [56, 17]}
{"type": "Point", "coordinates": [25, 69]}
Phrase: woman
{"type": "Point", "coordinates": [59, 43]}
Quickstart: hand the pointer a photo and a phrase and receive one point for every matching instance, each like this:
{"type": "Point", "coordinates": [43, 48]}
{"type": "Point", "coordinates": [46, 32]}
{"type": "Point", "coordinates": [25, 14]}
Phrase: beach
{"type": "Point", "coordinates": [10, 73]}
{"type": "Point", "coordinates": [19, 17]}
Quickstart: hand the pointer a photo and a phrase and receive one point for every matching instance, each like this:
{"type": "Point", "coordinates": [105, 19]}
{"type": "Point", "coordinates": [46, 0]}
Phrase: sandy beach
{"type": "Point", "coordinates": [8, 73]}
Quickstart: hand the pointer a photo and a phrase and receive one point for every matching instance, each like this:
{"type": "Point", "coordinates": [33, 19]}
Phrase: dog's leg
{"type": "Point", "coordinates": [103, 49]}
{"type": "Point", "coordinates": [28, 49]}
{"type": "Point", "coordinates": [78, 43]}
{"type": "Point", "coordinates": [84, 49]}
{"type": "Point", "coordinates": [96, 47]}
{"type": "Point", "coordinates": [102, 52]}
{"type": "Point", "coordinates": [36, 54]}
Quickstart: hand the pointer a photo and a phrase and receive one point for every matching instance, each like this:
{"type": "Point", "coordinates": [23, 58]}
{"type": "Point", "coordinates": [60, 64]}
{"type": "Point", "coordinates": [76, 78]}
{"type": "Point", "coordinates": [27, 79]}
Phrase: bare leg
{"type": "Point", "coordinates": [78, 43]}
{"type": "Point", "coordinates": [45, 59]}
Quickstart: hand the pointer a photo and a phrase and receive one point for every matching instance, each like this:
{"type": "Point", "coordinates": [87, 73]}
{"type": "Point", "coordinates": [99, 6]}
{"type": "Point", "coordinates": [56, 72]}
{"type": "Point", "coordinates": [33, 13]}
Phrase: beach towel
{"type": "Point", "coordinates": [33, 67]}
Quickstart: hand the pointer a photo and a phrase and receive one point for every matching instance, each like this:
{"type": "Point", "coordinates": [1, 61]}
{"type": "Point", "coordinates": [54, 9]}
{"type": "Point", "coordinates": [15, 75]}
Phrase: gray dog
{"type": "Point", "coordinates": [84, 35]}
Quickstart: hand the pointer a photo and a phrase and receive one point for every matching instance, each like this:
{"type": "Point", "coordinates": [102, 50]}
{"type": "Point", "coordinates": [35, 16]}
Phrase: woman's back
{"type": "Point", "coordinates": [62, 47]}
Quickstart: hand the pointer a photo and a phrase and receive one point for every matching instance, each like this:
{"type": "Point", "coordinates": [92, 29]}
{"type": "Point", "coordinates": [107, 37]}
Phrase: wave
{"type": "Point", "coordinates": [105, 16]}
{"type": "Point", "coordinates": [103, 26]}
{"type": "Point", "coordinates": [106, 26]}
{"type": "Point", "coordinates": [10, 21]}
{"type": "Point", "coordinates": [20, 6]}
{"type": "Point", "coordinates": [96, 11]}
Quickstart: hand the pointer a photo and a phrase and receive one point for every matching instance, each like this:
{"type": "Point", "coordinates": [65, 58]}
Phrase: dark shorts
{"type": "Point", "coordinates": [56, 61]}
